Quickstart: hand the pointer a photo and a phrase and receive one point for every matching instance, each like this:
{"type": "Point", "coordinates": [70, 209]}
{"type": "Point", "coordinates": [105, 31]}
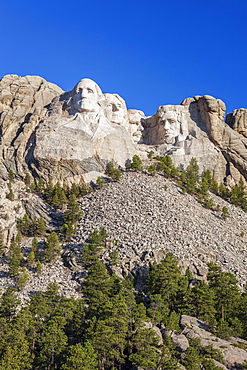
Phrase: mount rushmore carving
{"type": "Point", "coordinates": [51, 133]}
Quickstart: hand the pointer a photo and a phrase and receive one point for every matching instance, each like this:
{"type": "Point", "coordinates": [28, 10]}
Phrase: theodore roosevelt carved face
{"type": "Point", "coordinates": [86, 96]}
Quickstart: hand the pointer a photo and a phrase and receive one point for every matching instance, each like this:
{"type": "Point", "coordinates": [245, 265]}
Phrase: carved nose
{"type": "Point", "coordinates": [166, 125]}
{"type": "Point", "coordinates": [84, 93]}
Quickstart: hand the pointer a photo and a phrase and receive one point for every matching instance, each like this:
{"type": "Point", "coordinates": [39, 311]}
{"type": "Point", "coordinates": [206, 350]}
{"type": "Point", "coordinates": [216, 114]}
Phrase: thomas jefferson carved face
{"type": "Point", "coordinates": [86, 96]}
{"type": "Point", "coordinates": [115, 111]}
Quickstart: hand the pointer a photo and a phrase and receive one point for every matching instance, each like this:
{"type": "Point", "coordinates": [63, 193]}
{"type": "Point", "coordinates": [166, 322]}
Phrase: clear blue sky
{"type": "Point", "coordinates": [151, 52]}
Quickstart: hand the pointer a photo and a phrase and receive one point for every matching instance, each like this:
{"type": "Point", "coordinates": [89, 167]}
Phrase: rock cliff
{"type": "Point", "coordinates": [49, 133]}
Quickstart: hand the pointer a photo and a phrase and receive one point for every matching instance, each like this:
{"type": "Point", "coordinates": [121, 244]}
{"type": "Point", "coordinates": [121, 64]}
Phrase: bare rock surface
{"type": "Point", "coordinates": [23, 202]}
{"type": "Point", "coordinates": [146, 221]}
{"type": "Point", "coordinates": [238, 120]}
{"type": "Point", "coordinates": [233, 356]}
{"type": "Point", "coordinates": [23, 102]}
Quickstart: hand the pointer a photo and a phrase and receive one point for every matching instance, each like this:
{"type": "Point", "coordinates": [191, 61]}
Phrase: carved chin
{"type": "Point", "coordinates": [87, 108]}
{"type": "Point", "coordinates": [169, 139]}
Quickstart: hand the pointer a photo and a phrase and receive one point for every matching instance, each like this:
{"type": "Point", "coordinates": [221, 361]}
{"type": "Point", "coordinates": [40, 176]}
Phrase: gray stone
{"type": "Point", "coordinates": [181, 341]}
{"type": "Point", "coordinates": [237, 120]}
{"type": "Point", "coordinates": [233, 356]}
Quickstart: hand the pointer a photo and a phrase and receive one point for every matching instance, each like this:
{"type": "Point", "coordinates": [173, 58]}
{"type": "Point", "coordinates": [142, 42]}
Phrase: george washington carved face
{"type": "Point", "coordinates": [86, 96]}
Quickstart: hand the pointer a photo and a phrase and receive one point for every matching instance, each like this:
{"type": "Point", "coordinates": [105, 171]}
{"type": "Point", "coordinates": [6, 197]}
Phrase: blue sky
{"type": "Point", "coordinates": [151, 52]}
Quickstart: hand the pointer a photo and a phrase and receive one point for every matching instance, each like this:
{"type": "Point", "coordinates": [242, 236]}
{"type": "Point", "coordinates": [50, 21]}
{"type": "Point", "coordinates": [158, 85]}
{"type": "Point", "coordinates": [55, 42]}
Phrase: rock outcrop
{"type": "Point", "coordinates": [232, 145]}
{"type": "Point", "coordinates": [49, 133]}
{"type": "Point", "coordinates": [233, 356]}
{"type": "Point", "coordinates": [23, 102]}
{"type": "Point", "coordinates": [237, 120]}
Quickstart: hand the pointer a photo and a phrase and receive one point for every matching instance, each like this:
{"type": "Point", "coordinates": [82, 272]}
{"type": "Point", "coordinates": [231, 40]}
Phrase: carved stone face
{"type": "Point", "coordinates": [170, 126]}
{"type": "Point", "coordinates": [115, 109]}
{"type": "Point", "coordinates": [86, 96]}
{"type": "Point", "coordinates": [172, 122]}
{"type": "Point", "coordinates": [135, 118]}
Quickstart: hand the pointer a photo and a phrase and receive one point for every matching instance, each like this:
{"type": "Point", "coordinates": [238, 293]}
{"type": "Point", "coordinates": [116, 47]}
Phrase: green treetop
{"type": "Point", "coordinates": [136, 164]}
{"type": "Point", "coordinates": [52, 247]}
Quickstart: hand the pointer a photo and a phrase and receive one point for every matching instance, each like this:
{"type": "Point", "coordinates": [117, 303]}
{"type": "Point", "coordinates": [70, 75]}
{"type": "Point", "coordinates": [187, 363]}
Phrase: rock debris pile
{"type": "Point", "coordinates": [144, 221]}
{"type": "Point", "coordinates": [51, 273]}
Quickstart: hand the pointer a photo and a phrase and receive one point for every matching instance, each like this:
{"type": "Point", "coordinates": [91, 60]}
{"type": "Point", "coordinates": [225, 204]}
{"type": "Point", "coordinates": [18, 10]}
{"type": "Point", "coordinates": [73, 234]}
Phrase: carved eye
{"type": "Point", "coordinates": [90, 91]}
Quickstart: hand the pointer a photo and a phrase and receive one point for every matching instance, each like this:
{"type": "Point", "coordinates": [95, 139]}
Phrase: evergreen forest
{"type": "Point", "coordinates": [114, 325]}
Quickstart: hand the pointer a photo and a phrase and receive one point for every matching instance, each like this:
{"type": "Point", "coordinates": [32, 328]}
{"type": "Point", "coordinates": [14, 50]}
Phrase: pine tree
{"type": "Point", "coordinates": [39, 266]}
{"type": "Point", "coordinates": [113, 172]}
{"type": "Point", "coordinates": [49, 192]}
{"type": "Point", "coordinates": [31, 258]}
{"type": "Point", "coordinates": [192, 359]}
{"type": "Point", "coordinates": [10, 195]}
{"type": "Point", "coordinates": [224, 192]}
{"type": "Point", "coordinates": [24, 225]}
{"type": "Point", "coordinates": [40, 186]}
{"type": "Point", "coordinates": [238, 195]}
{"type": "Point", "coordinates": [32, 187]}
{"type": "Point", "coordinates": [209, 364]}
{"type": "Point", "coordinates": [150, 155]}
{"type": "Point", "coordinates": [225, 290]}
{"type": "Point", "coordinates": [114, 258]}
{"type": "Point", "coordinates": [73, 212]}
{"type": "Point", "coordinates": [192, 176]}
{"type": "Point", "coordinates": [98, 288]}
{"type": "Point", "coordinates": [68, 230]}
{"type": "Point", "coordinates": [118, 319]}
{"type": "Point", "coordinates": [98, 280]}
{"type": "Point", "coordinates": [9, 303]}
{"type": "Point", "coordinates": [158, 310]}
{"type": "Point", "coordinates": [164, 279]}
{"type": "Point", "coordinates": [94, 246]}
{"type": "Point", "coordinates": [80, 357]}
{"type": "Point", "coordinates": [83, 190]}
{"type": "Point", "coordinates": [136, 164]}
{"type": "Point", "coordinates": [52, 247]}
{"type": "Point", "coordinates": [23, 278]}
{"type": "Point", "coordinates": [103, 340]}
{"type": "Point", "coordinates": [145, 352]}
{"type": "Point", "coordinates": [41, 227]}
{"type": "Point", "coordinates": [53, 343]}
{"type": "Point", "coordinates": [200, 302]}
{"type": "Point", "coordinates": [203, 187]}
{"type": "Point", "coordinates": [2, 246]}
{"type": "Point", "coordinates": [75, 189]}
{"type": "Point", "coordinates": [27, 179]}
{"type": "Point", "coordinates": [35, 249]}
{"type": "Point", "coordinates": [100, 182]}
{"type": "Point", "coordinates": [17, 355]}
{"type": "Point", "coordinates": [151, 170]}
{"type": "Point", "coordinates": [15, 259]}
{"type": "Point", "coordinates": [225, 213]}
{"type": "Point", "coordinates": [18, 237]}
{"type": "Point", "coordinates": [11, 175]}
